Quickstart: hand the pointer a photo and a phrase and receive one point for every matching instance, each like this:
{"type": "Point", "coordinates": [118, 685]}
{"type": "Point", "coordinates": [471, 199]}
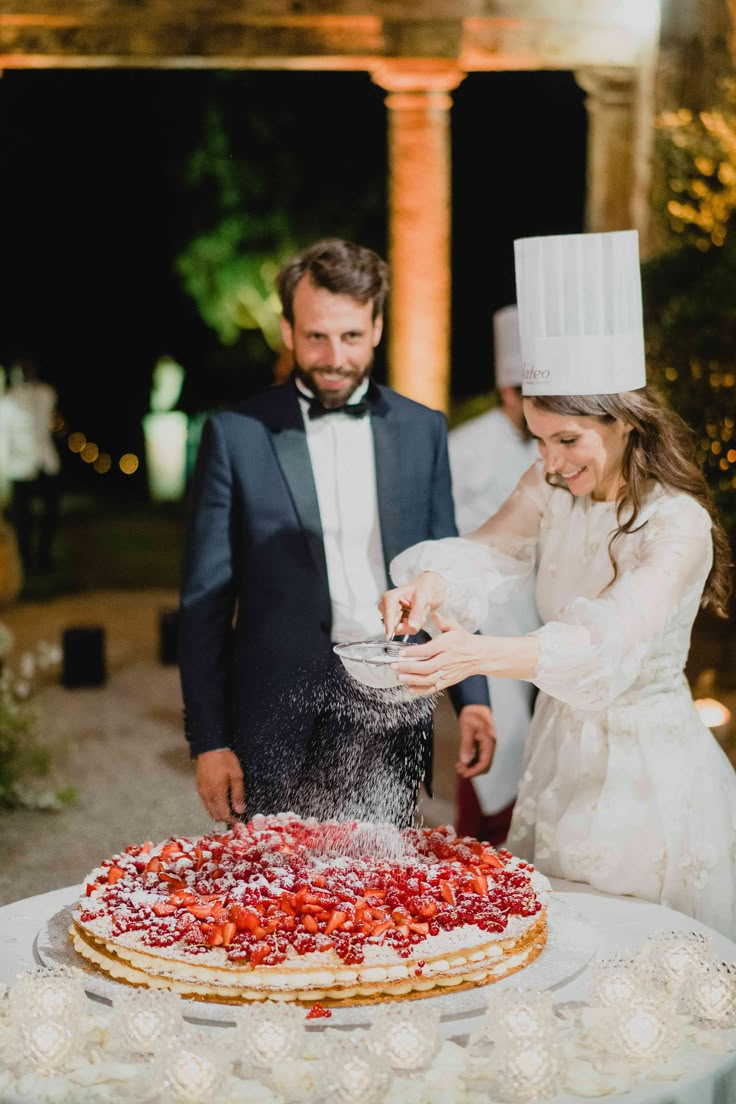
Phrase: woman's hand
{"type": "Point", "coordinates": [449, 658]}
{"type": "Point", "coordinates": [406, 609]}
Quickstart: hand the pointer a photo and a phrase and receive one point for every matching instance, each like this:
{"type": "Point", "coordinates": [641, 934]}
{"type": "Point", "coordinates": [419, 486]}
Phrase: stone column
{"type": "Point", "coordinates": [621, 107]}
{"type": "Point", "coordinates": [418, 103]}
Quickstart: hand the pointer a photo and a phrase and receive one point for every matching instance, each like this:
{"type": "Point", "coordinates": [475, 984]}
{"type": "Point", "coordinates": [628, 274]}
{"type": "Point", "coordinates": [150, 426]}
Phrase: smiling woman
{"type": "Point", "coordinates": [624, 786]}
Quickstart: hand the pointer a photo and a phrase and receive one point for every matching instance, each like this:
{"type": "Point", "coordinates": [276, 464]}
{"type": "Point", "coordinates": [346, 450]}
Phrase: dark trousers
{"type": "Point", "coordinates": [364, 757]}
{"type": "Point", "coordinates": [35, 513]}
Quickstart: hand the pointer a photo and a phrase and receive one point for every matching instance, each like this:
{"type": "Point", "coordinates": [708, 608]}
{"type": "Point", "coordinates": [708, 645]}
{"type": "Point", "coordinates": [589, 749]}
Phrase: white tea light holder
{"type": "Point", "coordinates": [709, 995]}
{"type": "Point", "coordinates": [525, 1069]}
{"type": "Point", "coordinates": [672, 955]}
{"type": "Point", "coordinates": [356, 1074]}
{"type": "Point", "coordinates": [191, 1068]}
{"type": "Point", "coordinates": [407, 1036]}
{"type": "Point", "coordinates": [49, 994]}
{"type": "Point", "coordinates": [146, 1018]}
{"type": "Point", "coordinates": [619, 979]}
{"type": "Point", "coordinates": [270, 1032]}
{"type": "Point", "coordinates": [520, 1014]}
{"type": "Point", "coordinates": [643, 1032]}
{"type": "Point", "coordinates": [48, 1044]}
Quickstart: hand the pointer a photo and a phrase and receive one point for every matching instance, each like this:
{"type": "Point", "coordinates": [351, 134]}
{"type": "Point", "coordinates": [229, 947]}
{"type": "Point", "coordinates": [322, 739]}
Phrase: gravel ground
{"type": "Point", "coordinates": [122, 747]}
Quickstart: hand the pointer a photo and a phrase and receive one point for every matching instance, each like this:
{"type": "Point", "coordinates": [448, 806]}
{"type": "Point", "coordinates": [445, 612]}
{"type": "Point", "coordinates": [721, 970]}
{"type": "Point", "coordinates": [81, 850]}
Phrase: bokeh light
{"type": "Point", "coordinates": [76, 441]}
{"type": "Point", "coordinates": [128, 463]}
{"type": "Point", "coordinates": [103, 463]}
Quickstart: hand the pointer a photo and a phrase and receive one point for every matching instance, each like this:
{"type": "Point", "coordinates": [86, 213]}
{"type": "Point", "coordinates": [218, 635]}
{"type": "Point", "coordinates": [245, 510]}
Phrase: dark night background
{"type": "Point", "coordinates": [97, 204]}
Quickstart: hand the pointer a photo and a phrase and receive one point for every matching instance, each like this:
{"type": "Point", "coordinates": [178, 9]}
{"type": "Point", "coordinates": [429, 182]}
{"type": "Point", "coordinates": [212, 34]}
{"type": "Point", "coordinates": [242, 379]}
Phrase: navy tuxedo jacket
{"type": "Point", "coordinates": [255, 614]}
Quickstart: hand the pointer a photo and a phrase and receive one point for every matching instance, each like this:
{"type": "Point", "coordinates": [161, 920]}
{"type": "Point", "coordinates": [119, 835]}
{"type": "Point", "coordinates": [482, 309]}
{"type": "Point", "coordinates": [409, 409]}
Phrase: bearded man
{"type": "Point", "coordinates": [300, 499]}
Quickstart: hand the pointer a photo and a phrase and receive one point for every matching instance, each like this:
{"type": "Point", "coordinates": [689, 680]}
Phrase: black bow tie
{"type": "Point", "coordinates": [355, 410]}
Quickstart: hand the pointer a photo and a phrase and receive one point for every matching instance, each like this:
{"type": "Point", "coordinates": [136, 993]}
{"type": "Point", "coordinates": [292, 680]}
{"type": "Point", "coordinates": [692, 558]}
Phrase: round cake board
{"type": "Point", "coordinates": [571, 943]}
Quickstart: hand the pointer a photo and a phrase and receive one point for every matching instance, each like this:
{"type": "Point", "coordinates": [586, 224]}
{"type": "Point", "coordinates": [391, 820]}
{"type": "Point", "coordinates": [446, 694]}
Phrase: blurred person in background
{"type": "Point", "coordinates": [33, 463]}
{"type": "Point", "coordinates": [488, 456]}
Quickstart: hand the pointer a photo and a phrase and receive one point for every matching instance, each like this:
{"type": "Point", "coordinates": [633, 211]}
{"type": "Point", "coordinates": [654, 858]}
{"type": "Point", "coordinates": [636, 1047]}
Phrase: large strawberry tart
{"type": "Point", "coordinates": [298, 910]}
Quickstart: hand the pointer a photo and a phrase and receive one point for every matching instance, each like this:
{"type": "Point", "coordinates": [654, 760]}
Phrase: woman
{"type": "Point", "coordinates": [624, 787]}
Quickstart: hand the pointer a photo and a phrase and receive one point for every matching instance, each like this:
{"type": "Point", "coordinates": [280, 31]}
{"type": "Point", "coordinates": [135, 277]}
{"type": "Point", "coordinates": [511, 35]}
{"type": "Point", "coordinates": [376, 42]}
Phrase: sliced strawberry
{"type": "Point", "coordinates": [163, 908]}
{"type": "Point", "coordinates": [336, 918]}
{"type": "Point", "coordinates": [169, 850]}
{"type": "Point", "coordinates": [173, 880]}
{"type": "Point", "coordinates": [426, 907]}
{"type": "Point", "coordinates": [154, 865]}
{"type": "Point", "coordinates": [90, 888]}
{"type": "Point", "coordinates": [114, 874]}
{"type": "Point", "coordinates": [480, 884]}
{"type": "Point", "coordinates": [200, 911]}
{"type": "Point", "coordinates": [420, 929]}
{"type": "Point", "coordinates": [448, 892]}
{"type": "Point", "coordinates": [214, 939]}
{"type": "Point", "coordinates": [300, 898]}
{"type": "Point", "coordinates": [245, 919]}
{"type": "Point", "coordinates": [266, 929]}
{"type": "Point", "coordinates": [489, 858]}
{"type": "Point", "coordinates": [258, 952]}
{"type": "Point", "coordinates": [228, 933]}
{"type": "Point", "coordinates": [310, 924]}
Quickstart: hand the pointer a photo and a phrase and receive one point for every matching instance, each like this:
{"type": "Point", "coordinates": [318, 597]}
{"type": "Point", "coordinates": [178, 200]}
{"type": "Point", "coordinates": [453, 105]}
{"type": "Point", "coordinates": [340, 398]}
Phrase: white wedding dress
{"type": "Point", "coordinates": [624, 787]}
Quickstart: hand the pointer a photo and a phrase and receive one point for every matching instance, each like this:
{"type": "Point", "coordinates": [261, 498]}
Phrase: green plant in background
{"type": "Point", "coordinates": [22, 757]}
{"type": "Point", "coordinates": [690, 289]}
{"type": "Point", "coordinates": [261, 192]}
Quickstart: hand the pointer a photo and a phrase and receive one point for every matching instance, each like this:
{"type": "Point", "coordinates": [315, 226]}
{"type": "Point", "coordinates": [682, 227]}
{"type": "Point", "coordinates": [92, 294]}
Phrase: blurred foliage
{"type": "Point", "coordinates": [23, 758]}
{"type": "Point", "coordinates": [697, 152]}
{"type": "Point", "coordinates": [264, 189]}
{"type": "Point", "coordinates": [690, 289]}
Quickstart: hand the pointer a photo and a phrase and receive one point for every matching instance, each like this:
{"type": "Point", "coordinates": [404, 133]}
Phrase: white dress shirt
{"type": "Point", "coordinates": [344, 467]}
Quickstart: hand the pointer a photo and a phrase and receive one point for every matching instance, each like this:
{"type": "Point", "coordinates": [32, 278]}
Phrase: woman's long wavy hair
{"type": "Point", "coordinates": [659, 448]}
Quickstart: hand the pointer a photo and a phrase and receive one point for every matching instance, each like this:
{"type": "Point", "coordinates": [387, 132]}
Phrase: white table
{"type": "Point", "coordinates": [622, 922]}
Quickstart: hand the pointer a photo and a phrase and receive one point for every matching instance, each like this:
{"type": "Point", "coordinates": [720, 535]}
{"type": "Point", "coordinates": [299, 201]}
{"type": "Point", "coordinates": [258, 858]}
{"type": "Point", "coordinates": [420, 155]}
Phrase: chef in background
{"type": "Point", "coordinates": [488, 456]}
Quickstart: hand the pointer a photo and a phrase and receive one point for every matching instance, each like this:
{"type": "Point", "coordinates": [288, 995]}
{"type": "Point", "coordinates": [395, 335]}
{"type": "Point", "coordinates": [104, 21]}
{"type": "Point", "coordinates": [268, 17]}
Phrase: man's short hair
{"type": "Point", "coordinates": [339, 266]}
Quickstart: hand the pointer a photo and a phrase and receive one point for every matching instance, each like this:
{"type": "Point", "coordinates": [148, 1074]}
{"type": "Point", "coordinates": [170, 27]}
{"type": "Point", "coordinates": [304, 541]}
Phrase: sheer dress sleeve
{"type": "Point", "coordinates": [488, 566]}
{"type": "Point", "coordinates": [595, 650]}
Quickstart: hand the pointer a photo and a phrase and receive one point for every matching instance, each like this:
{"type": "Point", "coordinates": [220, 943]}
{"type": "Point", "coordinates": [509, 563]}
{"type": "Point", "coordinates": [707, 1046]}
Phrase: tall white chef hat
{"type": "Point", "coordinates": [580, 313]}
{"type": "Point", "coordinates": [507, 347]}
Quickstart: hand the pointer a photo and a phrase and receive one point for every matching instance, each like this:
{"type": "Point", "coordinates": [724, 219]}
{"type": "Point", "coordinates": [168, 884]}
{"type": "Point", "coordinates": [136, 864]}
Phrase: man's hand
{"type": "Point", "coordinates": [220, 784]}
{"type": "Point", "coordinates": [477, 740]}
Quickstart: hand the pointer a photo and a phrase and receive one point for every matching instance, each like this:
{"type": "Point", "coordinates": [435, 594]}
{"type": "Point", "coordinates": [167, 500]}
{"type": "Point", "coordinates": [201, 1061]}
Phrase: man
{"type": "Point", "coordinates": [488, 457]}
{"type": "Point", "coordinates": [299, 500]}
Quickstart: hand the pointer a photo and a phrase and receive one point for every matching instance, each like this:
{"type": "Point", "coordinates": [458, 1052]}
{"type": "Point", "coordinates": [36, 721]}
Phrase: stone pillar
{"type": "Point", "coordinates": [418, 103]}
{"type": "Point", "coordinates": [621, 109]}
{"type": "Point", "coordinates": [611, 129]}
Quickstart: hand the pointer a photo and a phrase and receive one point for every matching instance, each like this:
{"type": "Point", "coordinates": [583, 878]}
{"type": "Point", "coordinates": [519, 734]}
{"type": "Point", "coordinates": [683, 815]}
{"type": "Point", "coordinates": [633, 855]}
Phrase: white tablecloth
{"type": "Point", "coordinates": [622, 922]}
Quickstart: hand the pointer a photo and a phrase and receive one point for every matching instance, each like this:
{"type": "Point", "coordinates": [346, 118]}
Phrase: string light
{"type": "Point", "coordinates": [128, 463]}
{"type": "Point", "coordinates": [88, 451]}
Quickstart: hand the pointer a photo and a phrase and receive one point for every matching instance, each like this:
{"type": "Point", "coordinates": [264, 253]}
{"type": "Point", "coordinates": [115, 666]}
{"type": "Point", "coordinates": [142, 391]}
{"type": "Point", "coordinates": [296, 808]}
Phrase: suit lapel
{"type": "Point", "coordinates": [388, 476]}
{"type": "Point", "coordinates": [292, 451]}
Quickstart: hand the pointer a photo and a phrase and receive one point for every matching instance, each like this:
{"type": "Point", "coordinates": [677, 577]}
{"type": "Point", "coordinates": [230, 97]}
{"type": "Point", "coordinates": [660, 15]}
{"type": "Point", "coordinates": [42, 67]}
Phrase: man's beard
{"type": "Point", "coordinates": [330, 399]}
